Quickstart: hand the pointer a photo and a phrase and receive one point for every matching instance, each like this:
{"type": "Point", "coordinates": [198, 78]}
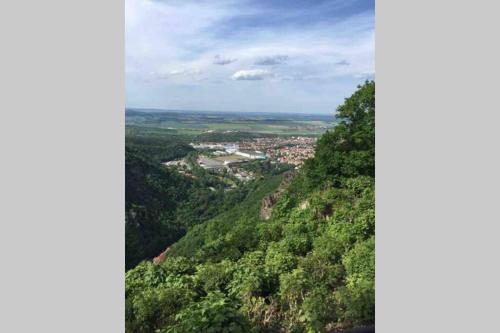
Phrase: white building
{"type": "Point", "coordinates": [251, 154]}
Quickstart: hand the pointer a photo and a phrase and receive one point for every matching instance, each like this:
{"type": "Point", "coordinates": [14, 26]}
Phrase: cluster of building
{"type": "Point", "coordinates": [181, 166]}
{"type": "Point", "coordinates": [230, 164]}
{"type": "Point", "coordinates": [294, 155]}
{"type": "Point", "coordinates": [227, 147]}
{"type": "Point", "coordinates": [242, 174]}
{"type": "Point", "coordinates": [178, 163]}
{"type": "Point", "coordinates": [226, 158]}
{"type": "Point", "coordinates": [291, 150]}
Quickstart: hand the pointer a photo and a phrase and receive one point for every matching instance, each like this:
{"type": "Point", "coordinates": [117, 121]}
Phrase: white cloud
{"type": "Point", "coordinates": [170, 45]}
{"type": "Point", "coordinates": [180, 34]}
{"type": "Point", "coordinates": [251, 74]}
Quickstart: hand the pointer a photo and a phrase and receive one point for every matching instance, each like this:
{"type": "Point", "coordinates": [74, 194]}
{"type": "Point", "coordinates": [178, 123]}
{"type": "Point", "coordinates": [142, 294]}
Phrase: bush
{"type": "Point", "coordinates": [155, 308]}
{"type": "Point", "coordinates": [358, 296]}
{"type": "Point", "coordinates": [215, 276]}
{"type": "Point", "coordinates": [213, 314]}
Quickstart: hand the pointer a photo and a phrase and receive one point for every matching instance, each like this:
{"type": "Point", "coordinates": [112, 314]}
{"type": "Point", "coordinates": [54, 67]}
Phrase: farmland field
{"type": "Point", "coordinates": [196, 122]}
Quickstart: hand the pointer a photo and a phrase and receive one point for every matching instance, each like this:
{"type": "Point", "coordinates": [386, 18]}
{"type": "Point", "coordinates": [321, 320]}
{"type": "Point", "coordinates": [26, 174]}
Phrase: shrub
{"type": "Point", "coordinates": [213, 314]}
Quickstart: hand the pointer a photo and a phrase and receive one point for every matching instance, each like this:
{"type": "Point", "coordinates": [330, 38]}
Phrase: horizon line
{"type": "Point", "coordinates": [232, 111]}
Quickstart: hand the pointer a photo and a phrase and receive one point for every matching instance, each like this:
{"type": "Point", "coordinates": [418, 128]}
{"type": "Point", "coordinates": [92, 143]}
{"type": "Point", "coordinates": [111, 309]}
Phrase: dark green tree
{"type": "Point", "coordinates": [349, 149]}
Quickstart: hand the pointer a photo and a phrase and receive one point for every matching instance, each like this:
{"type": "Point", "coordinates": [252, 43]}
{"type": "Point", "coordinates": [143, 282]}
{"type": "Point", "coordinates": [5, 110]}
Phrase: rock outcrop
{"type": "Point", "coordinates": [161, 257]}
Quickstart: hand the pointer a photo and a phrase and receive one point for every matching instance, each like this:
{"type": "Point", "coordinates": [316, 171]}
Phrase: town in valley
{"type": "Point", "coordinates": [229, 157]}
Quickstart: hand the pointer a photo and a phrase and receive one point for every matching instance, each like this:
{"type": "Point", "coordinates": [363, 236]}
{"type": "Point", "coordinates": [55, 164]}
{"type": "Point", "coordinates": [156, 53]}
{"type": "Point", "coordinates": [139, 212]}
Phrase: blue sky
{"type": "Point", "coordinates": [247, 55]}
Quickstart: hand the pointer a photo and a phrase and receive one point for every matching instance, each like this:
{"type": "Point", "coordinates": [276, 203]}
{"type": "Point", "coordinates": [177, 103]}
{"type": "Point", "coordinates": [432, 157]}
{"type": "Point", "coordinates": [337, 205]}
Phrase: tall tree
{"type": "Point", "coordinates": [348, 150]}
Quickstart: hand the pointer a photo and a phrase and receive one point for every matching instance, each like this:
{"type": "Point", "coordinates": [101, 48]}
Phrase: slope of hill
{"type": "Point", "coordinates": [157, 144]}
{"type": "Point", "coordinates": [234, 224]}
{"type": "Point", "coordinates": [161, 205]}
{"type": "Point", "coordinates": [152, 194]}
{"type": "Point", "coordinates": [308, 268]}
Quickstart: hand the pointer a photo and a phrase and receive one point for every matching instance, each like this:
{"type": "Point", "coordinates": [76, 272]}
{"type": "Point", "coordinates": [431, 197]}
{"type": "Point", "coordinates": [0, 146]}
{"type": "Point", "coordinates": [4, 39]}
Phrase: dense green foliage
{"type": "Point", "coordinates": [152, 194]}
{"type": "Point", "coordinates": [161, 205]}
{"type": "Point", "coordinates": [266, 167]}
{"type": "Point", "coordinates": [230, 233]}
{"type": "Point", "coordinates": [310, 268]}
{"type": "Point", "coordinates": [159, 145]}
{"type": "Point", "coordinates": [349, 150]}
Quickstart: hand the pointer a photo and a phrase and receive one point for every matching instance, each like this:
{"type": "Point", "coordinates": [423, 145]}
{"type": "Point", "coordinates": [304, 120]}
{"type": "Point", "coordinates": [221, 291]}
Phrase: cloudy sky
{"type": "Point", "coordinates": [247, 55]}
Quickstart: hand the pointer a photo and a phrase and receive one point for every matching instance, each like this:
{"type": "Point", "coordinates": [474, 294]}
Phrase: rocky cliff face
{"type": "Point", "coordinates": [161, 257]}
{"type": "Point", "coordinates": [269, 201]}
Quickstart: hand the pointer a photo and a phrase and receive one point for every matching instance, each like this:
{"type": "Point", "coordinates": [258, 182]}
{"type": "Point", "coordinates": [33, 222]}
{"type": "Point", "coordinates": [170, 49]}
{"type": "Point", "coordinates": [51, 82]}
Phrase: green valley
{"type": "Point", "coordinates": [289, 248]}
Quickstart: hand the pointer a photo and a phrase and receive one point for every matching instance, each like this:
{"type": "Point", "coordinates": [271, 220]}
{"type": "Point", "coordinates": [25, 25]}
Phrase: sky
{"type": "Point", "coordinates": [301, 56]}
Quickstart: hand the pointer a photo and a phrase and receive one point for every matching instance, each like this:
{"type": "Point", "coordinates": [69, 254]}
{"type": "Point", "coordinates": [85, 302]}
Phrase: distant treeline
{"type": "Point", "coordinates": [207, 116]}
{"type": "Point", "coordinates": [230, 136]}
{"type": "Point", "coordinates": [159, 149]}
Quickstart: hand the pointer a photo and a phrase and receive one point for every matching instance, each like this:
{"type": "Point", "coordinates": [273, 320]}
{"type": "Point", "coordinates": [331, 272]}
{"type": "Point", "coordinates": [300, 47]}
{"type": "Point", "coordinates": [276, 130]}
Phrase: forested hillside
{"type": "Point", "coordinates": [152, 195]}
{"type": "Point", "coordinates": [309, 268]}
{"type": "Point", "coordinates": [159, 145]}
{"type": "Point", "coordinates": [161, 205]}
